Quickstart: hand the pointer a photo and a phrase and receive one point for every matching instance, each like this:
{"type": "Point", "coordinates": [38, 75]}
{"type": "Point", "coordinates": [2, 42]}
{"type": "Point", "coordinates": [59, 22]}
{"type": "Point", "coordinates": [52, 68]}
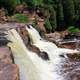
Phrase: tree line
{"type": "Point", "coordinates": [58, 14]}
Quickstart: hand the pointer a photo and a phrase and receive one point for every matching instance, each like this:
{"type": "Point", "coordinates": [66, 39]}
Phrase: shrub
{"type": "Point", "coordinates": [9, 4]}
{"type": "Point", "coordinates": [48, 25]}
{"type": "Point", "coordinates": [73, 29]}
{"type": "Point", "coordinates": [20, 18]}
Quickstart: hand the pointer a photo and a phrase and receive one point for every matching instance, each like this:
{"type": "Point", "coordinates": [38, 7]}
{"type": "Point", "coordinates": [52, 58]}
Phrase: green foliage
{"type": "Point", "coordinates": [9, 4]}
{"type": "Point", "coordinates": [37, 2]}
{"type": "Point", "coordinates": [20, 18]}
{"type": "Point", "coordinates": [73, 29]}
{"type": "Point", "coordinates": [59, 13]}
{"type": "Point", "coordinates": [34, 3]}
{"type": "Point", "coordinates": [69, 11]}
{"type": "Point", "coordinates": [48, 25]}
{"type": "Point", "coordinates": [53, 18]}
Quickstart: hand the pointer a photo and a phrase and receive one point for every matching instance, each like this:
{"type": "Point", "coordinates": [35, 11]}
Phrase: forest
{"type": "Point", "coordinates": [58, 14]}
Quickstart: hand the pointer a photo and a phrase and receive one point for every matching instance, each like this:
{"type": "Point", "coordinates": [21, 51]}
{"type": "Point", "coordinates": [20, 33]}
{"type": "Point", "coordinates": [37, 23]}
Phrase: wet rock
{"type": "Point", "coordinates": [57, 35]}
{"type": "Point", "coordinates": [19, 8]}
{"type": "Point", "coordinates": [9, 71]}
{"type": "Point", "coordinates": [3, 17]}
{"type": "Point", "coordinates": [41, 25]}
{"type": "Point", "coordinates": [24, 34]}
{"type": "Point", "coordinates": [36, 50]}
{"type": "Point", "coordinates": [6, 55]}
{"type": "Point", "coordinates": [33, 48]}
{"type": "Point", "coordinates": [53, 36]}
{"type": "Point", "coordinates": [71, 45]}
{"type": "Point", "coordinates": [3, 41]}
{"type": "Point", "coordinates": [71, 41]}
{"type": "Point", "coordinates": [72, 36]}
{"type": "Point", "coordinates": [71, 70]}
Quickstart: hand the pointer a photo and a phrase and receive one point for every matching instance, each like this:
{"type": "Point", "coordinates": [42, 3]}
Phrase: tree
{"type": "Point", "coordinates": [52, 19]}
{"type": "Point", "coordinates": [34, 3]}
{"type": "Point", "coordinates": [77, 12]}
{"type": "Point", "coordinates": [9, 4]}
{"type": "Point", "coordinates": [69, 11]}
{"type": "Point", "coordinates": [60, 15]}
{"type": "Point", "coordinates": [50, 6]}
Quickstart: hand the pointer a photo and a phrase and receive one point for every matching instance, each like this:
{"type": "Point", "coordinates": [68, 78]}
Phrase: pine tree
{"type": "Point", "coordinates": [52, 19]}
{"type": "Point", "coordinates": [69, 11]}
{"type": "Point", "coordinates": [9, 4]}
{"type": "Point", "coordinates": [60, 15]}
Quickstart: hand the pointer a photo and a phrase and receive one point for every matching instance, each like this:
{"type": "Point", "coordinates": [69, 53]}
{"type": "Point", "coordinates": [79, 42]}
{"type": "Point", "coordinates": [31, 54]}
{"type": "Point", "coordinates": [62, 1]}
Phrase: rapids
{"type": "Point", "coordinates": [49, 47]}
{"type": "Point", "coordinates": [31, 66]}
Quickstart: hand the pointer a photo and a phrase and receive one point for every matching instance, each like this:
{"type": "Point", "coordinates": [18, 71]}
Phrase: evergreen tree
{"type": "Point", "coordinates": [60, 15]}
{"type": "Point", "coordinates": [34, 3]}
{"type": "Point", "coordinates": [52, 19]}
{"type": "Point", "coordinates": [69, 11]}
{"type": "Point", "coordinates": [9, 4]}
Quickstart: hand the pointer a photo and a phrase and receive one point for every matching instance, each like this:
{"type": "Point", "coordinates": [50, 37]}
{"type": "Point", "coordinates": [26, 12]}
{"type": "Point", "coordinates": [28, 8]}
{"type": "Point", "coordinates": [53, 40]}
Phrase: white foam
{"type": "Point", "coordinates": [31, 66]}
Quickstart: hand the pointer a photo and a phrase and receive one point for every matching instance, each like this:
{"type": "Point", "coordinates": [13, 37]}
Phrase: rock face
{"type": "Point", "coordinates": [57, 35]}
{"type": "Point", "coordinates": [24, 34]}
{"type": "Point", "coordinates": [71, 45]}
{"type": "Point", "coordinates": [8, 70]}
{"type": "Point", "coordinates": [53, 36]}
{"type": "Point", "coordinates": [41, 25]}
{"type": "Point", "coordinates": [5, 55]}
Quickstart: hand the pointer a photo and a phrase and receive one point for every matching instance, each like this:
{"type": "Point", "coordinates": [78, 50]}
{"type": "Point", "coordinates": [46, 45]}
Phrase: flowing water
{"type": "Point", "coordinates": [33, 67]}
{"type": "Point", "coordinates": [54, 53]}
{"type": "Point", "coordinates": [46, 46]}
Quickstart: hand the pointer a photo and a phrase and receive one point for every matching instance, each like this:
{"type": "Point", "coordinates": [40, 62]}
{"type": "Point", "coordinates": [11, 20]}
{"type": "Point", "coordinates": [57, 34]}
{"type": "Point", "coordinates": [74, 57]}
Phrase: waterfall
{"type": "Point", "coordinates": [46, 46]}
{"type": "Point", "coordinates": [27, 68]}
{"type": "Point", "coordinates": [31, 66]}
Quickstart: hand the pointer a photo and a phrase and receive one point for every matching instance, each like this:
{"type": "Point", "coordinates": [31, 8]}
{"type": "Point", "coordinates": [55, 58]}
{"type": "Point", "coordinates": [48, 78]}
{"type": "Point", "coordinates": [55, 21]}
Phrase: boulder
{"type": "Point", "coordinates": [53, 36]}
{"type": "Point", "coordinates": [8, 71]}
{"type": "Point", "coordinates": [5, 55]}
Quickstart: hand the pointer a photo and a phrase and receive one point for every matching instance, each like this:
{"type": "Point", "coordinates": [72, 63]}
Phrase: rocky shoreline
{"type": "Point", "coordinates": [8, 69]}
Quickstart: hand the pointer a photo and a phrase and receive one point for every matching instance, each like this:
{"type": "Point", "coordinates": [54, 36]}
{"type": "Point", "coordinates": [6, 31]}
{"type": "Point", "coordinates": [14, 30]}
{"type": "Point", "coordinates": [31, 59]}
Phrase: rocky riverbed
{"type": "Point", "coordinates": [70, 66]}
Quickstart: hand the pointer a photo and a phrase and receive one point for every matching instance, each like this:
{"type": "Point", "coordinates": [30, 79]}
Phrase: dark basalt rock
{"type": "Point", "coordinates": [3, 41]}
{"type": "Point", "coordinates": [43, 55]}
{"type": "Point", "coordinates": [2, 34]}
{"type": "Point", "coordinates": [72, 36]}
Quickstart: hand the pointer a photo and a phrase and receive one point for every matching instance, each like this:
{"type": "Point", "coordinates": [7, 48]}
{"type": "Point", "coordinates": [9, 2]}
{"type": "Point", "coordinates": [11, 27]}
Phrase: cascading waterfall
{"type": "Point", "coordinates": [31, 66]}
{"type": "Point", "coordinates": [49, 47]}
{"type": "Point", "coordinates": [20, 56]}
